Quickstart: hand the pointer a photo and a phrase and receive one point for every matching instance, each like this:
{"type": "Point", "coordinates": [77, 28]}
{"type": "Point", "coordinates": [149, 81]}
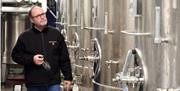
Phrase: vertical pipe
{"type": "Point", "coordinates": [44, 4]}
{"type": "Point", "coordinates": [87, 21]}
{"type": "Point", "coordinates": [146, 44]}
{"type": "Point", "coordinates": [69, 19]}
{"type": "Point", "coordinates": [0, 21]}
{"type": "Point", "coordinates": [0, 35]}
{"type": "Point", "coordinates": [168, 77]}
{"type": "Point", "coordinates": [106, 23]}
{"type": "Point", "coordinates": [157, 26]}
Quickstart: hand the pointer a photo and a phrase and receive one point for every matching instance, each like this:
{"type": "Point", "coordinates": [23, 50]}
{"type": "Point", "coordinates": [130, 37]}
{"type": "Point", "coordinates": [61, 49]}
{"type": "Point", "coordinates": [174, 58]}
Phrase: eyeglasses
{"type": "Point", "coordinates": [37, 16]}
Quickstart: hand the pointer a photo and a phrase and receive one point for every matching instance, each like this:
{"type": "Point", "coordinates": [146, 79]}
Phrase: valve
{"type": "Point", "coordinates": [133, 72]}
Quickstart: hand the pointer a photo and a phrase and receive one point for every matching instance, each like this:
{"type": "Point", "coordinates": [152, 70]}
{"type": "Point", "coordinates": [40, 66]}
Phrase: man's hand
{"type": "Point", "coordinates": [38, 59]}
{"type": "Point", "coordinates": [67, 85]}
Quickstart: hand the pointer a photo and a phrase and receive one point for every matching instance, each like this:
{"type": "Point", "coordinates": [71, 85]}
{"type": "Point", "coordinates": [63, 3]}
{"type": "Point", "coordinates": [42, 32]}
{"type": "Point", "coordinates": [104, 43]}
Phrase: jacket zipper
{"type": "Point", "coordinates": [45, 64]}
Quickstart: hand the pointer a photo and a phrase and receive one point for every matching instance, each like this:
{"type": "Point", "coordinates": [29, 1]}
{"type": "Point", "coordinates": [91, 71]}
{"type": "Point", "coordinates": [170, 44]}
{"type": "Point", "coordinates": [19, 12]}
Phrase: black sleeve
{"type": "Point", "coordinates": [19, 55]}
{"type": "Point", "coordinates": [65, 63]}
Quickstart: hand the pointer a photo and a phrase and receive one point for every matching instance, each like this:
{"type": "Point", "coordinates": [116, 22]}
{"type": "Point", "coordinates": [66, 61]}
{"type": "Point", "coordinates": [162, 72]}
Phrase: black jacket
{"type": "Point", "coordinates": [51, 44]}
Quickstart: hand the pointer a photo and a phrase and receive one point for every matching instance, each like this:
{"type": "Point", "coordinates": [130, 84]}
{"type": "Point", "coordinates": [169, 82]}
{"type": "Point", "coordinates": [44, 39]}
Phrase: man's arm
{"type": "Point", "coordinates": [20, 56]}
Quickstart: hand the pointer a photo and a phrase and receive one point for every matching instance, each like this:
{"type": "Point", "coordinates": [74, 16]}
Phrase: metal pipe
{"type": "Point", "coordinates": [0, 34]}
{"type": "Point", "coordinates": [136, 34]}
{"type": "Point", "coordinates": [107, 86]}
{"type": "Point", "coordinates": [157, 38]}
{"type": "Point", "coordinates": [15, 9]}
{"type": "Point", "coordinates": [68, 12]}
{"type": "Point", "coordinates": [174, 4]}
{"type": "Point", "coordinates": [22, 9]}
{"type": "Point", "coordinates": [43, 4]}
{"type": "Point", "coordinates": [9, 1]}
{"type": "Point", "coordinates": [93, 28]}
{"type": "Point", "coordinates": [106, 23]}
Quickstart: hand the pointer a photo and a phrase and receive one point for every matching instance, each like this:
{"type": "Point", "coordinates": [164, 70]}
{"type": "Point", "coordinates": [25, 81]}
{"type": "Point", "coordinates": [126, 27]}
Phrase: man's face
{"type": "Point", "coordinates": [38, 17]}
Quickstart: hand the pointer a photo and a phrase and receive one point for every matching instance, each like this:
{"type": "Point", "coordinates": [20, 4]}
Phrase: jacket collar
{"type": "Point", "coordinates": [37, 31]}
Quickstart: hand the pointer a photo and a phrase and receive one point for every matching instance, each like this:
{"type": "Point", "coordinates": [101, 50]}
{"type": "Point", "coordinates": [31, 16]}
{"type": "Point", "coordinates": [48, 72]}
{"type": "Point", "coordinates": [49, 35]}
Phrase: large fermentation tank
{"type": "Point", "coordinates": [160, 50]}
{"type": "Point", "coordinates": [70, 21]}
{"type": "Point", "coordinates": [101, 48]}
{"type": "Point", "coordinates": [137, 39]}
{"type": "Point", "coordinates": [103, 21]}
{"type": "Point", "coordinates": [156, 46]}
{"type": "Point", "coordinates": [111, 15]}
{"type": "Point", "coordinates": [83, 65]}
{"type": "Point", "coordinates": [165, 49]}
{"type": "Point", "coordinates": [12, 25]}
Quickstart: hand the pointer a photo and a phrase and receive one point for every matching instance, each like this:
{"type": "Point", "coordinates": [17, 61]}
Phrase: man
{"type": "Point", "coordinates": [43, 52]}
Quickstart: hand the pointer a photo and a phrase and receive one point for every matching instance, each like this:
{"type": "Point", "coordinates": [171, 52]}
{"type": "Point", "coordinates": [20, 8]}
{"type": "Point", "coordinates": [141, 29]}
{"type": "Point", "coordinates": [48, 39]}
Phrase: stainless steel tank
{"type": "Point", "coordinates": [160, 49]}
{"type": "Point", "coordinates": [166, 45]}
{"type": "Point", "coordinates": [83, 65]}
{"type": "Point", "coordinates": [109, 39]}
{"type": "Point", "coordinates": [124, 45]}
{"type": "Point", "coordinates": [12, 25]}
{"type": "Point", "coordinates": [104, 20]}
{"type": "Point", "coordinates": [70, 14]}
{"type": "Point", "coordinates": [101, 44]}
{"type": "Point", "coordinates": [155, 52]}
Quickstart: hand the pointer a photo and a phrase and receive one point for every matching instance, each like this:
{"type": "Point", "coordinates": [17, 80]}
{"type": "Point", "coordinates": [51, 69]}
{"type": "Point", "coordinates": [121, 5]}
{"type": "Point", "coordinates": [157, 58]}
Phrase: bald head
{"type": "Point", "coordinates": [32, 8]}
{"type": "Point", "coordinates": [38, 17]}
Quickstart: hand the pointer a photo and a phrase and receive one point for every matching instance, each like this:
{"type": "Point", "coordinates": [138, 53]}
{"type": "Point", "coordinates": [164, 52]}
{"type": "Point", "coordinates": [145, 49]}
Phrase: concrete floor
{"type": "Point", "coordinates": [23, 88]}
